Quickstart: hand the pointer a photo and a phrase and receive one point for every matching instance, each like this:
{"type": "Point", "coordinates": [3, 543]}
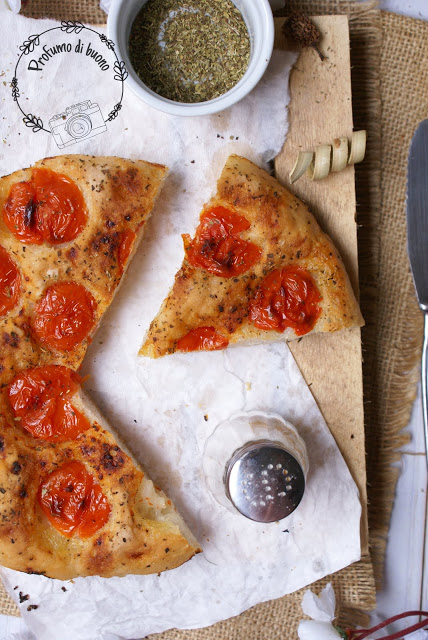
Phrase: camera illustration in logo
{"type": "Point", "coordinates": [82, 120]}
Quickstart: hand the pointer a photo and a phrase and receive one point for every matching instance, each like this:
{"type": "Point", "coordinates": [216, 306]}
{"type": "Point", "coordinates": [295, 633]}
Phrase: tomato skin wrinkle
{"type": "Point", "coordinates": [40, 399]}
{"type": "Point", "coordinates": [48, 208]}
{"type": "Point", "coordinates": [10, 283]}
{"type": "Point", "coordinates": [72, 501]}
{"type": "Point", "coordinates": [202, 339]}
{"type": "Point", "coordinates": [64, 316]}
{"type": "Point", "coordinates": [217, 247]}
{"type": "Point", "coordinates": [286, 298]}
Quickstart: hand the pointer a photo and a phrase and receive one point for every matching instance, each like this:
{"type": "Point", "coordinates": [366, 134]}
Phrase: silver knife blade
{"type": "Point", "coordinates": [417, 212]}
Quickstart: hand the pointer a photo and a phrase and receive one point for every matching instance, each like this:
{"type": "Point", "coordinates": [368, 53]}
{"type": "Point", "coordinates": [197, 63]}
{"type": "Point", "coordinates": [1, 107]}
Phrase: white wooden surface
{"type": "Point", "coordinates": [406, 574]}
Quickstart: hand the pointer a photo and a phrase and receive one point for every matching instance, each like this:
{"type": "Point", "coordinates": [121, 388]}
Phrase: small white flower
{"type": "Point", "coordinates": [322, 611]}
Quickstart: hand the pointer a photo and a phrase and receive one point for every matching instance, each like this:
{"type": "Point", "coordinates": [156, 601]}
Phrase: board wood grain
{"type": "Point", "coordinates": [320, 110]}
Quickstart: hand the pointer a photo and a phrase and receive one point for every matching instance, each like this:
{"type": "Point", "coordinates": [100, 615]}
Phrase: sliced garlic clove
{"type": "Point", "coordinates": [328, 158]}
{"type": "Point", "coordinates": [358, 146]}
{"type": "Point", "coordinates": [320, 165]}
{"type": "Point", "coordinates": [340, 154]}
{"type": "Point", "coordinates": [303, 161]}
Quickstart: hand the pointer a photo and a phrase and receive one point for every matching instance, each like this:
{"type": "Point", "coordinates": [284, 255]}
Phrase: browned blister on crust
{"type": "Point", "coordinates": [288, 234]}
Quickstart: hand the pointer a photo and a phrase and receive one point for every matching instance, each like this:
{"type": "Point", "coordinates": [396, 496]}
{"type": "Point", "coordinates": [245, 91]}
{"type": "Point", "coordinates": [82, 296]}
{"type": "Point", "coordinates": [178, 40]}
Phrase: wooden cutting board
{"type": "Point", "coordinates": [320, 110]}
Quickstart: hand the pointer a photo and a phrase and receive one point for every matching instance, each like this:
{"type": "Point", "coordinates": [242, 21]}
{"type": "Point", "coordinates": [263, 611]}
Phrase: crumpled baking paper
{"type": "Point", "coordinates": [165, 410]}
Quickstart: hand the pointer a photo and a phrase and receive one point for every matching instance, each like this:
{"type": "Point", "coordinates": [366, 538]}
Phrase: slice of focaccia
{"type": "Point", "coordinates": [258, 269]}
{"type": "Point", "coordinates": [68, 227]}
{"type": "Point", "coordinates": [72, 501]}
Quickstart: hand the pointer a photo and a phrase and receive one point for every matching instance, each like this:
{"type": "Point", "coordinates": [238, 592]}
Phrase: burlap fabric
{"type": "Point", "coordinates": [385, 66]}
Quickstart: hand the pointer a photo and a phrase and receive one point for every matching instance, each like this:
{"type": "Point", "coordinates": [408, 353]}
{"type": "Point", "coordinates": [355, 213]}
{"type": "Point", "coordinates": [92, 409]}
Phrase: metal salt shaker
{"type": "Point", "coordinates": [262, 463]}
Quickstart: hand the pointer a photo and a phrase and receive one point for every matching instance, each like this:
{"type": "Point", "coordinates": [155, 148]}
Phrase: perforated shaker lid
{"type": "Point", "coordinates": [264, 481]}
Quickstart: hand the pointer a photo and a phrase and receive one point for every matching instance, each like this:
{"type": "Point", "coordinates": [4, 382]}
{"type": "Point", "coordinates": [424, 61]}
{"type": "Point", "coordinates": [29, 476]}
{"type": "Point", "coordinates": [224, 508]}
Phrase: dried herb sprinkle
{"type": "Point", "coordinates": [189, 50]}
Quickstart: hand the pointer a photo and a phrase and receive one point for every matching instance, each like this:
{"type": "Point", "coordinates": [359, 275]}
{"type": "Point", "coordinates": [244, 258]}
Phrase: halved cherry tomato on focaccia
{"type": "Point", "coordinates": [217, 247]}
{"type": "Point", "coordinates": [48, 208]}
{"type": "Point", "coordinates": [73, 502]}
{"type": "Point", "coordinates": [125, 247]}
{"type": "Point", "coordinates": [202, 339]}
{"type": "Point", "coordinates": [287, 297]}
{"type": "Point", "coordinates": [10, 282]}
{"type": "Point", "coordinates": [65, 316]}
{"type": "Point", "coordinates": [40, 399]}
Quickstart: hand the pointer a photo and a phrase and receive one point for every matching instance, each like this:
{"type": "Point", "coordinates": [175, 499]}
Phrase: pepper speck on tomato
{"type": "Point", "coordinates": [287, 297]}
{"type": "Point", "coordinates": [48, 208]}
{"type": "Point", "coordinates": [202, 339]}
{"type": "Point", "coordinates": [64, 316]}
{"type": "Point", "coordinates": [73, 502]}
{"type": "Point", "coordinates": [125, 247]}
{"type": "Point", "coordinates": [217, 247]}
{"type": "Point", "coordinates": [41, 400]}
{"type": "Point", "coordinates": [10, 282]}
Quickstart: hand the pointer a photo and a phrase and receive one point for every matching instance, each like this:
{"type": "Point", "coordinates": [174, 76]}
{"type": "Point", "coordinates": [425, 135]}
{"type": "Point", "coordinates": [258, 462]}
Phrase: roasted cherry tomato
{"type": "Point", "coordinates": [10, 283]}
{"type": "Point", "coordinates": [286, 298]}
{"type": "Point", "coordinates": [40, 398]}
{"type": "Point", "coordinates": [125, 248]}
{"type": "Point", "coordinates": [217, 247]}
{"type": "Point", "coordinates": [72, 502]}
{"type": "Point", "coordinates": [64, 316]}
{"type": "Point", "coordinates": [48, 208]}
{"type": "Point", "coordinates": [202, 339]}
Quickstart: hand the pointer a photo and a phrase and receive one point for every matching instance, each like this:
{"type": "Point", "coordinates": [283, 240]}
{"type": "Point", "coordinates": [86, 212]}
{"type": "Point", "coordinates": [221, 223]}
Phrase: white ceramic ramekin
{"type": "Point", "coordinates": [259, 20]}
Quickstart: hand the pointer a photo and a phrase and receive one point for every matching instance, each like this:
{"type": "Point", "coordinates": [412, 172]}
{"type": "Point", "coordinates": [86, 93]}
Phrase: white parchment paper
{"type": "Point", "coordinates": [166, 409]}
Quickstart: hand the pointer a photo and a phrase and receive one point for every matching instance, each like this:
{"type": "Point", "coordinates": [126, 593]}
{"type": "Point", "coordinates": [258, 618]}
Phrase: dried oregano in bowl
{"type": "Point", "coordinates": [189, 50]}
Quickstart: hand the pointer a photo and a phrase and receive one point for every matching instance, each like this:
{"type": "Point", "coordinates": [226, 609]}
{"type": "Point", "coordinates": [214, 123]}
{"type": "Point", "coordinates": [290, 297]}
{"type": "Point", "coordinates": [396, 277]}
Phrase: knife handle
{"type": "Point", "coordinates": [425, 382]}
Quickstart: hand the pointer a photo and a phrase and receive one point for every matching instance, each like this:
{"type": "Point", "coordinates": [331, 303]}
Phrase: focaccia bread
{"type": "Point", "coordinates": [85, 258]}
{"type": "Point", "coordinates": [73, 502]}
{"type": "Point", "coordinates": [126, 524]}
{"type": "Point", "coordinates": [258, 269]}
